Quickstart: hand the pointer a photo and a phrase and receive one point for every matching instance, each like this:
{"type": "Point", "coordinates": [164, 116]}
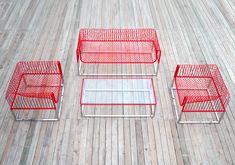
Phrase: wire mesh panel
{"type": "Point", "coordinates": [118, 46]}
{"type": "Point", "coordinates": [200, 88]}
{"type": "Point", "coordinates": [35, 85]}
{"type": "Point", "coordinates": [117, 92]}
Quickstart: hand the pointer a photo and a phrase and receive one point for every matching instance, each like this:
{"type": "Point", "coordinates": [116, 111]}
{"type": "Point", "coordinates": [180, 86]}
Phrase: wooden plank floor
{"type": "Point", "coordinates": [190, 31]}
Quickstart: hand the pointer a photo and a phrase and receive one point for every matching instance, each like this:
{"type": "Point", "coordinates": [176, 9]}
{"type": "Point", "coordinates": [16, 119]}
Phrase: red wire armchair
{"type": "Point", "coordinates": [34, 86]}
{"type": "Point", "coordinates": [200, 88]}
{"type": "Point", "coordinates": [118, 46]}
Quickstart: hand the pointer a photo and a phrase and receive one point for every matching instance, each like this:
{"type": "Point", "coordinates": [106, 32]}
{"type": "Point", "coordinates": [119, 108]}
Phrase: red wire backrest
{"type": "Point", "coordinates": [119, 35]}
{"type": "Point", "coordinates": [201, 70]}
{"type": "Point", "coordinates": [14, 83]}
{"type": "Point", "coordinates": [221, 87]}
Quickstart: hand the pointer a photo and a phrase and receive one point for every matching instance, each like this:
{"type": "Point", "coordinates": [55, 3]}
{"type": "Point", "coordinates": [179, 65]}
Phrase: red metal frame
{"type": "Point", "coordinates": [111, 46]}
{"type": "Point", "coordinates": [35, 85]}
{"type": "Point", "coordinates": [200, 88]}
{"type": "Point", "coordinates": [108, 104]}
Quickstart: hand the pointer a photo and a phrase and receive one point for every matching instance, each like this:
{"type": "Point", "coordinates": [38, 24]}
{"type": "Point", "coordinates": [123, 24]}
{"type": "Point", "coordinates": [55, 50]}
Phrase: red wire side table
{"type": "Point", "coordinates": [118, 46]}
{"type": "Point", "coordinates": [36, 87]}
{"type": "Point", "coordinates": [201, 93]}
{"type": "Point", "coordinates": [120, 97]}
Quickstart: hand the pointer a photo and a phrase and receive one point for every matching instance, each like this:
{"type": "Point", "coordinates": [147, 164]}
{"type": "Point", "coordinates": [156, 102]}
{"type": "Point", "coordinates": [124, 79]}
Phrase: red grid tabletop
{"type": "Point", "coordinates": [118, 46]}
{"type": "Point", "coordinates": [117, 91]}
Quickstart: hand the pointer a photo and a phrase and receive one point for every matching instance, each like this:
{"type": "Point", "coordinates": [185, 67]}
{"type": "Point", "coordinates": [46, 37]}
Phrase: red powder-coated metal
{"type": "Point", "coordinates": [118, 46]}
{"type": "Point", "coordinates": [35, 85]}
{"type": "Point", "coordinates": [200, 88]}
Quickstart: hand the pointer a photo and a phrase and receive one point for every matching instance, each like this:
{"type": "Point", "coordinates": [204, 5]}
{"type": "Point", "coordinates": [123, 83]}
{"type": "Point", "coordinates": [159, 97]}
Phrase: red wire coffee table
{"type": "Point", "coordinates": [200, 89]}
{"type": "Point", "coordinates": [36, 86]}
{"type": "Point", "coordinates": [118, 92]}
{"type": "Point", "coordinates": [118, 46]}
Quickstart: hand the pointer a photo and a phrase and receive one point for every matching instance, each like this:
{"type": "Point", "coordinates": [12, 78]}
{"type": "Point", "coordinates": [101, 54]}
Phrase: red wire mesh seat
{"type": "Point", "coordinates": [35, 85]}
{"type": "Point", "coordinates": [118, 46]}
{"type": "Point", "coordinates": [200, 88]}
